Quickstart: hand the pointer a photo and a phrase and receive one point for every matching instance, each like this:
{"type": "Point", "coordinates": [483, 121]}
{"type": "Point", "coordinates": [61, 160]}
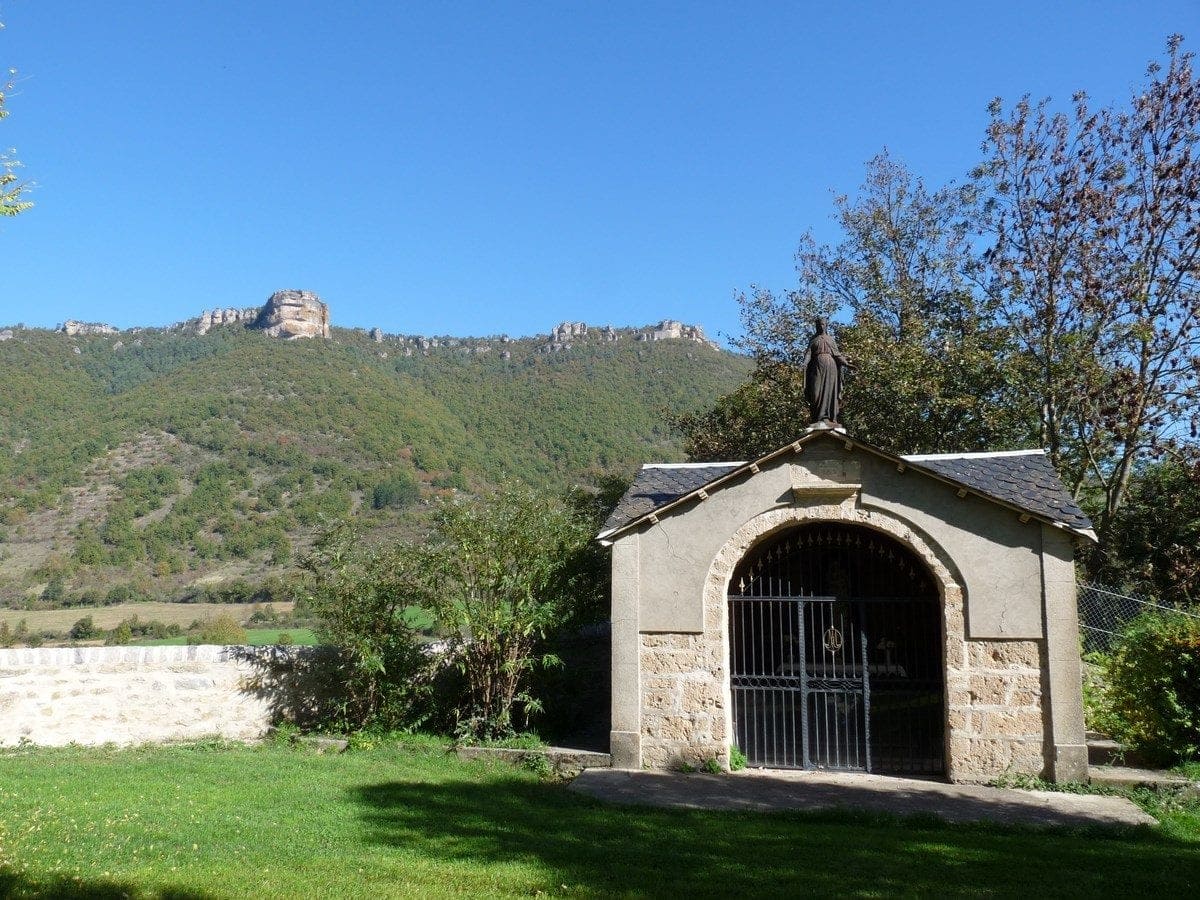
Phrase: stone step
{"type": "Point", "coordinates": [1129, 777]}
{"type": "Point", "coordinates": [1104, 752]}
{"type": "Point", "coordinates": [563, 761]}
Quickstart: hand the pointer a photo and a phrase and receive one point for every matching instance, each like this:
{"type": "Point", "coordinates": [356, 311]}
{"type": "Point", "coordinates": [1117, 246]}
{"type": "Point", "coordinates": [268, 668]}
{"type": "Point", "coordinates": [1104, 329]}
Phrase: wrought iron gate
{"type": "Point", "coordinates": [829, 671]}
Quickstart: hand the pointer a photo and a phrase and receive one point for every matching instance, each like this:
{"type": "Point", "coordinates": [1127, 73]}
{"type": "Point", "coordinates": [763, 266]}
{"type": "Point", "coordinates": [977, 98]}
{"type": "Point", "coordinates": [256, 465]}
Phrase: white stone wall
{"type": "Point", "coordinates": [127, 695]}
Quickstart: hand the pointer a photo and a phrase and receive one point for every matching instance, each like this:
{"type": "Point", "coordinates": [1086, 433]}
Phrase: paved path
{"type": "Point", "coordinates": [783, 790]}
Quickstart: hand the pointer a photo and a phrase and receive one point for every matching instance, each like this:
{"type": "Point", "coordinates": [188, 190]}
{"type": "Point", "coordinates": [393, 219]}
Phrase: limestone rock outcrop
{"type": "Point", "coordinates": [73, 327]}
{"type": "Point", "coordinates": [670, 329]}
{"type": "Point", "coordinates": [294, 314]}
{"type": "Point", "coordinates": [209, 320]}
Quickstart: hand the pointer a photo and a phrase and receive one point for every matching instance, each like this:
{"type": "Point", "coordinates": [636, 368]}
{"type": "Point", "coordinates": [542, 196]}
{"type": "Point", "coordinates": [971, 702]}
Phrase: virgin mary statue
{"type": "Point", "coordinates": [823, 369]}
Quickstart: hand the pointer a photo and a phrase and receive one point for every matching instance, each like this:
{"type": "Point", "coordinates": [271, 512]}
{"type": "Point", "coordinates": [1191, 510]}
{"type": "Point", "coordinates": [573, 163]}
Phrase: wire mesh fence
{"type": "Point", "coordinates": [1103, 613]}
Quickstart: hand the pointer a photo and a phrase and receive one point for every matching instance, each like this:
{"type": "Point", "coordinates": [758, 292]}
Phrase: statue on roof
{"type": "Point", "coordinates": [824, 370]}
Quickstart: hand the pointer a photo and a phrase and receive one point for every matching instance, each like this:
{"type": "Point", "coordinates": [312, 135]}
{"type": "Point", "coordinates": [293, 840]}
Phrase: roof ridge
{"type": "Point", "coordinates": [983, 454]}
{"type": "Point", "coordinates": [691, 465]}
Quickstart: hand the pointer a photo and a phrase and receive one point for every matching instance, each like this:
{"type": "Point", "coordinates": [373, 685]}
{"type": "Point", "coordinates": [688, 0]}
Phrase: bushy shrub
{"type": "Point", "coordinates": [120, 635]}
{"type": "Point", "coordinates": [224, 630]}
{"type": "Point", "coordinates": [83, 629]}
{"type": "Point", "coordinates": [1153, 678]}
{"type": "Point", "coordinates": [400, 490]}
{"type": "Point", "coordinates": [359, 595]}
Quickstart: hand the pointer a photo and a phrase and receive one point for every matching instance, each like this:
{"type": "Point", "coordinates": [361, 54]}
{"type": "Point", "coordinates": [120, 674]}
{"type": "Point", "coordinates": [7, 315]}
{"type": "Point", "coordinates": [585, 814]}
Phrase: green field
{"type": "Point", "coordinates": [182, 614]}
{"type": "Point", "coordinates": [412, 821]}
{"type": "Point", "coordinates": [255, 637]}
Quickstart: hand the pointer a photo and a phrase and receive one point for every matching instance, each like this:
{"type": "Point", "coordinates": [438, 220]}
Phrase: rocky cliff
{"type": "Point", "coordinates": [294, 314]}
{"type": "Point", "coordinates": [72, 327]}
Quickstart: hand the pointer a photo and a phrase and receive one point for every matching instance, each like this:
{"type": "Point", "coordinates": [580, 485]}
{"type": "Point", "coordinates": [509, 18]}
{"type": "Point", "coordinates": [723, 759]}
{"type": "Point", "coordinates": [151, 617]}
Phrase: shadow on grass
{"type": "Point", "coordinates": [13, 884]}
{"type": "Point", "coordinates": [588, 846]}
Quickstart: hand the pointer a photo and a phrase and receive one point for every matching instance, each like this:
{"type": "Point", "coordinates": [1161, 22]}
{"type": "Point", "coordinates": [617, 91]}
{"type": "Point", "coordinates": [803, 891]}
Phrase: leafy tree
{"type": "Point", "coordinates": [933, 362]}
{"type": "Point", "coordinates": [83, 629]}
{"type": "Point", "coordinates": [399, 490]}
{"type": "Point", "coordinates": [1095, 223]}
{"type": "Point", "coordinates": [11, 190]}
{"type": "Point", "coordinates": [1154, 544]}
{"type": "Point", "coordinates": [498, 576]}
{"type": "Point", "coordinates": [362, 597]}
{"type": "Point", "coordinates": [223, 629]}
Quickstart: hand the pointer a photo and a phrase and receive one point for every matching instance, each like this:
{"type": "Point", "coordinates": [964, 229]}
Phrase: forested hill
{"type": "Point", "coordinates": [158, 462]}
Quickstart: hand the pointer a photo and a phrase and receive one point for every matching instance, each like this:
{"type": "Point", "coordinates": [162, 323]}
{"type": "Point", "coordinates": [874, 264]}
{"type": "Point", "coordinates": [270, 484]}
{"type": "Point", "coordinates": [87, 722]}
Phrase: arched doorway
{"type": "Point", "coordinates": [835, 651]}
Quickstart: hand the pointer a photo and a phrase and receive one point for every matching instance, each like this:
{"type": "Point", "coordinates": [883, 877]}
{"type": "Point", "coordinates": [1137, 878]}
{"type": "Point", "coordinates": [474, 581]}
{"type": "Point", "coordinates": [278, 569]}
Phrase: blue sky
{"type": "Point", "coordinates": [472, 168]}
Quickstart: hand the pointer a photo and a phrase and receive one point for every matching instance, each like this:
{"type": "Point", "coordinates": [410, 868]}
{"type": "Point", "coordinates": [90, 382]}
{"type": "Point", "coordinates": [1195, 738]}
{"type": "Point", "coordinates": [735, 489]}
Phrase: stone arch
{"type": "Point", "coordinates": [764, 525]}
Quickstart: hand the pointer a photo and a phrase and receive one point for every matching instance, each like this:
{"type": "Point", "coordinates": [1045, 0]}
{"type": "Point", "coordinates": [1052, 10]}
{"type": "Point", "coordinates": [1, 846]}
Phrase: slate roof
{"type": "Point", "coordinates": [1027, 480]}
{"type": "Point", "coordinates": [1021, 479]}
{"type": "Point", "coordinates": [657, 485]}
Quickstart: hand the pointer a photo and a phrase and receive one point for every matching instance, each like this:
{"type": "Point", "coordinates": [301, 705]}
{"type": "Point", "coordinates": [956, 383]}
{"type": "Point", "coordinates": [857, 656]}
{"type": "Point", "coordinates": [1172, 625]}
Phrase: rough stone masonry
{"type": "Point", "coordinates": [127, 695]}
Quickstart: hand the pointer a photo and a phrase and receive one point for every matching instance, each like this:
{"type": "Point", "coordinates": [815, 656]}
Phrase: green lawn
{"type": "Point", "coordinates": [410, 820]}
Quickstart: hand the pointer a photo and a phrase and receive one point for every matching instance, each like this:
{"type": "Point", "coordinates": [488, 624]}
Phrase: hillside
{"type": "Point", "coordinates": [168, 464]}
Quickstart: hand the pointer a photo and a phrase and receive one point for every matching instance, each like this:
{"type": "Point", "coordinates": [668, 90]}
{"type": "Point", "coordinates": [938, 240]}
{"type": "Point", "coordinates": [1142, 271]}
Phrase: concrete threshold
{"type": "Point", "coordinates": [776, 791]}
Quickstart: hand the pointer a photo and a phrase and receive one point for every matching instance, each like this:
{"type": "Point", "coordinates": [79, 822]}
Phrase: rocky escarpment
{"type": "Point", "coordinates": [286, 314]}
{"type": "Point", "coordinates": [566, 334]}
{"type": "Point", "coordinates": [211, 319]}
{"type": "Point", "coordinates": [72, 327]}
{"type": "Point", "coordinates": [294, 314]}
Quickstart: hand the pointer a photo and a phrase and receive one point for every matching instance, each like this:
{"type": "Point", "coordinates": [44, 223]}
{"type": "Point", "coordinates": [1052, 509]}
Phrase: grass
{"type": "Point", "coordinates": [182, 614]}
{"type": "Point", "coordinates": [411, 820]}
{"type": "Point", "coordinates": [255, 637]}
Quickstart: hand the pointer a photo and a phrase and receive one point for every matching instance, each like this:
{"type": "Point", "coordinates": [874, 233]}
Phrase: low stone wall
{"type": "Point", "coordinates": [131, 695]}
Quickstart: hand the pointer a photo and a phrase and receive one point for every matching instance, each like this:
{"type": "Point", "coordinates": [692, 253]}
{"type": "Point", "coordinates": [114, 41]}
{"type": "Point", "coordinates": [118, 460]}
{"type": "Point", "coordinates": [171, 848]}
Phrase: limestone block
{"type": "Point", "coordinates": [1005, 654]}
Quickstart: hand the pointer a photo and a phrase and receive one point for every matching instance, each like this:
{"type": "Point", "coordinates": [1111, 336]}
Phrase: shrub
{"type": "Point", "coordinates": [498, 576]}
{"type": "Point", "coordinates": [83, 629]}
{"type": "Point", "coordinates": [359, 595]}
{"type": "Point", "coordinates": [120, 635]}
{"type": "Point", "coordinates": [1153, 689]}
{"type": "Point", "coordinates": [400, 490]}
{"type": "Point", "coordinates": [224, 629]}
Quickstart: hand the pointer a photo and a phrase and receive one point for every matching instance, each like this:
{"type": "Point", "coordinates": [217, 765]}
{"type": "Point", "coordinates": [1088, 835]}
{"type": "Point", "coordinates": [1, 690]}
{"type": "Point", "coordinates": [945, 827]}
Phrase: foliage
{"type": "Point", "coordinates": [1153, 677]}
{"type": "Point", "coordinates": [737, 759]}
{"type": "Point", "coordinates": [223, 630]}
{"type": "Point", "coordinates": [399, 490]}
{"type": "Point", "coordinates": [179, 456]}
{"type": "Point", "coordinates": [11, 190]}
{"type": "Point", "coordinates": [361, 596]}
{"type": "Point", "coordinates": [497, 574]}
{"type": "Point", "coordinates": [1095, 223]}
{"type": "Point", "coordinates": [1097, 705]}
{"type": "Point", "coordinates": [932, 361]}
{"type": "Point", "coordinates": [1153, 547]}
{"type": "Point", "coordinates": [83, 629]}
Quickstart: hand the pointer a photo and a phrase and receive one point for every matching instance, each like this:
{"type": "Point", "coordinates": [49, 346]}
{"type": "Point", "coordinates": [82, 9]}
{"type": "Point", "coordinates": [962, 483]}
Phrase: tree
{"type": "Point", "coordinates": [363, 596]}
{"type": "Point", "coordinates": [1154, 544]}
{"type": "Point", "coordinates": [933, 363]}
{"type": "Point", "coordinates": [498, 576]}
{"type": "Point", "coordinates": [11, 190]}
{"type": "Point", "coordinates": [1095, 224]}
